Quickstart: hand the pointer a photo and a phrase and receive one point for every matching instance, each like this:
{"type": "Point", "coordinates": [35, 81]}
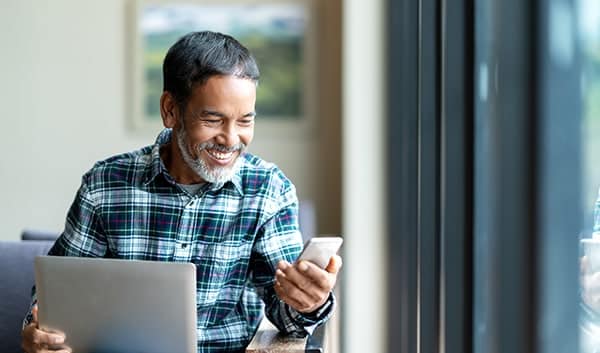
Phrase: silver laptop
{"type": "Point", "coordinates": [106, 305]}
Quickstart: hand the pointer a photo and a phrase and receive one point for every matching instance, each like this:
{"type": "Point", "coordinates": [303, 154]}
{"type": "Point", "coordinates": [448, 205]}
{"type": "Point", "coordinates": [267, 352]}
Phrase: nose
{"type": "Point", "coordinates": [229, 135]}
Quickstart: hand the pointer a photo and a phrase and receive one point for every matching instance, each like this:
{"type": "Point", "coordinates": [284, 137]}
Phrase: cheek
{"type": "Point", "coordinates": [247, 136]}
{"type": "Point", "coordinates": [195, 141]}
{"type": "Point", "coordinates": [193, 149]}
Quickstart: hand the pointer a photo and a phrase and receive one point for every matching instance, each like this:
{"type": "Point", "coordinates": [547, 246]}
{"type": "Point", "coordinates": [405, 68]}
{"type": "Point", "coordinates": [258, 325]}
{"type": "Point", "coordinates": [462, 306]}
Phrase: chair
{"type": "Point", "coordinates": [307, 219]}
{"type": "Point", "coordinates": [16, 279]}
{"type": "Point", "coordinates": [30, 234]}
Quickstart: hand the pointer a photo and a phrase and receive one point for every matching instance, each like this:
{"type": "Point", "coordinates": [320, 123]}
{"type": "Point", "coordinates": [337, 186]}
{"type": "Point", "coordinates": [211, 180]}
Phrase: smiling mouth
{"type": "Point", "coordinates": [222, 156]}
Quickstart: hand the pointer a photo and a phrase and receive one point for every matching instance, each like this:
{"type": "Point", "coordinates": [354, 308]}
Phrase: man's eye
{"type": "Point", "coordinates": [246, 121]}
{"type": "Point", "coordinates": [212, 121]}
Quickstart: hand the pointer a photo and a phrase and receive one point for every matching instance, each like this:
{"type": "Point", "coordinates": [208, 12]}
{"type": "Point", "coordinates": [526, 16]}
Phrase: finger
{"type": "Point", "coordinates": [303, 273]}
{"type": "Point", "coordinates": [334, 265]}
{"type": "Point", "coordinates": [281, 293]}
{"type": "Point", "coordinates": [34, 313]}
{"type": "Point", "coordinates": [311, 275]}
{"type": "Point", "coordinates": [283, 278]}
{"type": "Point", "coordinates": [295, 303]}
{"type": "Point", "coordinates": [283, 265]}
{"type": "Point", "coordinates": [40, 337]}
{"type": "Point", "coordinates": [50, 350]}
{"type": "Point", "coordinates": [307, 278]}
{"type": "Point", "coordinates": [291, 291]}
{"type": "Point", "coordinates": [63, 348]}
{"type": "Point", "coordinates": [287, 286]}
{"type": "Point", "coordinates": [27, 338]}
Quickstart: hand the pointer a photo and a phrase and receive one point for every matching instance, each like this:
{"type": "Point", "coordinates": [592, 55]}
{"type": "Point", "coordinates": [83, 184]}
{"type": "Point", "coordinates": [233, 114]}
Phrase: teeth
{"type": "Point", "coordinates": [220, 155]}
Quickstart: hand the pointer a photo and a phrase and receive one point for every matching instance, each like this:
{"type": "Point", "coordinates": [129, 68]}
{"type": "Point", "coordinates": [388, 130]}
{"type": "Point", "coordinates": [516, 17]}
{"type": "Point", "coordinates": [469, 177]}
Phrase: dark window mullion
{"type": "Point", "coordinates": [428, 193]}
{"type": "Point", "coordinates": [456, 175]}
{"type": "Point", "coordinates": [558, 183]}
{"type": "Point", "coordinates": [402, 110]}
{"type": "Point", "coordinates": [504, 209]}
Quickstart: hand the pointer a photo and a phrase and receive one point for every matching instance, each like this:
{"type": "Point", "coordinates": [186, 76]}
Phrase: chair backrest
{"type": "Point", "coordinates": [16, 280]}
{"type": "Point", "coordinates": [307, 219]}
{"type": "Point", "coordinates": [31, 234]}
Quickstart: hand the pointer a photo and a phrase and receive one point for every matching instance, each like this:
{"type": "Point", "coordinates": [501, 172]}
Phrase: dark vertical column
{"type": "Point", "coordinates": [505, 210]}
{"type": "Point", "coordinates": [402, 68]}
{"type": "Point", "coordinates": [456, 175]}
{"type": "Point", "coordinates": [429, 177]}
{"type": "Point", "coordinates": [558, 181]}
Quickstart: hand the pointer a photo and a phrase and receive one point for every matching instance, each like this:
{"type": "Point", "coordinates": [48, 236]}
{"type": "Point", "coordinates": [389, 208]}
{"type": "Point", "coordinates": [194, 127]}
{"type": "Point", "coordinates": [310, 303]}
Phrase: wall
{"type": "Point", "coordinates": [63, 97]}
{"type": "Point", "coordinates": [364, 212]}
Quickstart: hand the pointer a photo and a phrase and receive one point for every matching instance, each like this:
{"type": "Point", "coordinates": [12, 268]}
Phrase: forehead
{"type": "Point", "coordinates": [225, 91]}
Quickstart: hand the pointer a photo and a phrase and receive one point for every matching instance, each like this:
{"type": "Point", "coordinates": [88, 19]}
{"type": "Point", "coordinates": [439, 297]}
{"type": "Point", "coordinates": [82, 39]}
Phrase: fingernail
{"type": "Point", "coordinates": [58, 340]}
{"type": "Point", "coordinates": [303, 266]}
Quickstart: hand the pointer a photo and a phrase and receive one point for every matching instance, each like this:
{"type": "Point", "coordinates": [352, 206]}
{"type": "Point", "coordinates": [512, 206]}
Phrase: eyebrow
{"type": "Point", "coordinates": [221, 115]}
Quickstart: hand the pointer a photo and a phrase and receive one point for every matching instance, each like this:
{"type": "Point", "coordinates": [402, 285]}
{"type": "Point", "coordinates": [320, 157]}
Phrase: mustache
{"type": "Point", "coordinates": [221, 148]}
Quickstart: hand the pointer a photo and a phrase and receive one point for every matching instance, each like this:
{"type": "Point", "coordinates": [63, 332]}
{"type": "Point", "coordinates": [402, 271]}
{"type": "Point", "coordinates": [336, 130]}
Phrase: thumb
{"type": "Point", "coordinates": [334, 265]}
{"type": "Point", "coordinates": [34, 313]}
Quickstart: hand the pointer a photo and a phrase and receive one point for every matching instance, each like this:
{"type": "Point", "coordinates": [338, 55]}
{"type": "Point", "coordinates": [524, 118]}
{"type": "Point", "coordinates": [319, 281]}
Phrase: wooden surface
{"type": "Point", "coordinates": [269, 340]}
{"type": "Point", "coordinates": [325, 339]}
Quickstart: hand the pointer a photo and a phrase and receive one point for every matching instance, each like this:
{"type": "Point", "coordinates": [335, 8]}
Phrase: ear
{"type": "Point", "coordinates": [169, 110]}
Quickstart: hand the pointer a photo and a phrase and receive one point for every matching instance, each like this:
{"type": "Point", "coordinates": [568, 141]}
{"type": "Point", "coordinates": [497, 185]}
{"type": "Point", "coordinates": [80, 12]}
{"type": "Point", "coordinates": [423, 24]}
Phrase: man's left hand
{"type": "Point", "coordinates": [305, 286]}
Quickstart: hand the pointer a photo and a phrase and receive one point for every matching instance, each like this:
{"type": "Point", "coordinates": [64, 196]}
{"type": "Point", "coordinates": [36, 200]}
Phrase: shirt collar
{"type": "Point", "coordinates": [157, 167]}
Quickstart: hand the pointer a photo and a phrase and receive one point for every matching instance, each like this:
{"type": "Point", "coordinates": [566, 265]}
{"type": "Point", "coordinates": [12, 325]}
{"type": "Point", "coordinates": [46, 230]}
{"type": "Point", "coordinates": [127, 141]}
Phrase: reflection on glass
{"type": "Point", "coordinates": [589, 37]}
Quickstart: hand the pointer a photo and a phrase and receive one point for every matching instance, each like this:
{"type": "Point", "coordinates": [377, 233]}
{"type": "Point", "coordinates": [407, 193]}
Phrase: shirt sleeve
{"type": "Point", "coordinates": [83, 236]}
{"type": "Point", "coordinates": [279, 239]}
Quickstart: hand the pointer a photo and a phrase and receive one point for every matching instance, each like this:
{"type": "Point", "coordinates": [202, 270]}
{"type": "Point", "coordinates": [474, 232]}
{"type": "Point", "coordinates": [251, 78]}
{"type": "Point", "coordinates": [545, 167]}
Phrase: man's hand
{"type": "Point", "coordinates": [36, 340]}
{"type": "Point", "coordinates": [305, 286]}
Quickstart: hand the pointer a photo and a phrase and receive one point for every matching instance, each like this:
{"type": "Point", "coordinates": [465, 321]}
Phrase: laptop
{"type": "Point", "coordinates": [108, 305]}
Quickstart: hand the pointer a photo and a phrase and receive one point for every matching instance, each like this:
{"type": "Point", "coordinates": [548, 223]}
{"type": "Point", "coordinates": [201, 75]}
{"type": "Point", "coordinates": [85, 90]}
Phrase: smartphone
{"type": "Point", "coordinates": [319, 250]}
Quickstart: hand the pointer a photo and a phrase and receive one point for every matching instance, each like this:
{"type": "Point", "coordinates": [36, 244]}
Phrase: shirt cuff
{"type": "Point", "coordinates": [310, 321]}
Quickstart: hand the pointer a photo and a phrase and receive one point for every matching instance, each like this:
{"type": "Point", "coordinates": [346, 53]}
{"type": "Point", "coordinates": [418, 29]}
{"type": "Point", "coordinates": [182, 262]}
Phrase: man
{"type": "Point", "coordinates": [197, 196]}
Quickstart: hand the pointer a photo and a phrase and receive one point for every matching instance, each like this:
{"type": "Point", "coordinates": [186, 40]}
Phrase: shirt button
{"type": "Point", "coordinates": [184, 245]}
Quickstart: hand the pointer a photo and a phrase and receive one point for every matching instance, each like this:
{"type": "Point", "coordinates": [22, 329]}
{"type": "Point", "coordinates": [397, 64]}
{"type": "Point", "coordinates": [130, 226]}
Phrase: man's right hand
{"type": "Point", "coordinates": [36, 340]}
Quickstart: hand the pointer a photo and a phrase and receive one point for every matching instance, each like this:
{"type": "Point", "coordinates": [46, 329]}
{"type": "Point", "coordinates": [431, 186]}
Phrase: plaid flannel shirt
{"type": "Point", "coordinates": [129, 207]}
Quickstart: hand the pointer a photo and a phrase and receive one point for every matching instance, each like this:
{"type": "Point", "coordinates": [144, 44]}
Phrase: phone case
{"type": "Point", "coordinates": [319, 250]}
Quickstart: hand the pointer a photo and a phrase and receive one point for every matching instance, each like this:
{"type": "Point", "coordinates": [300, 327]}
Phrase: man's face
{"type": "Point", "coordinates": [218, 125]}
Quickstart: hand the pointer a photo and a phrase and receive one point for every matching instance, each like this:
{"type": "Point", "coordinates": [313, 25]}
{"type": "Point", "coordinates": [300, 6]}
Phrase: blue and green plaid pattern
{"type": "Point", "coordinates": [129, 207]}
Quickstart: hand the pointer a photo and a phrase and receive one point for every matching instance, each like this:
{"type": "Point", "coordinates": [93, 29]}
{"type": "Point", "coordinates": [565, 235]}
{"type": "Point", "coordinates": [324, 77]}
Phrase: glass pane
{"type": "Point", "coordinates": [485, 95]}
{"type": "Point", "coordinates": [589, 39]}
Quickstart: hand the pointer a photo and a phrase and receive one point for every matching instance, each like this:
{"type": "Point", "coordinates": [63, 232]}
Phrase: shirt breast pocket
{"type": "Point", "coordinates": [221, 274]}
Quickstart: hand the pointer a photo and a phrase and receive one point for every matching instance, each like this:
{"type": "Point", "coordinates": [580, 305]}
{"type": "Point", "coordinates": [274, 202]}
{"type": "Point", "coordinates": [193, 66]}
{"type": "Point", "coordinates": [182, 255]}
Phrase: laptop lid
{"type": "Point", "coordinates": [108, 305]}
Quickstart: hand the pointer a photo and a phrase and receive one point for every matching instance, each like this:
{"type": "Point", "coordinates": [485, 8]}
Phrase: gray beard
{"type": "Point", "coordinates": [216, 175]}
